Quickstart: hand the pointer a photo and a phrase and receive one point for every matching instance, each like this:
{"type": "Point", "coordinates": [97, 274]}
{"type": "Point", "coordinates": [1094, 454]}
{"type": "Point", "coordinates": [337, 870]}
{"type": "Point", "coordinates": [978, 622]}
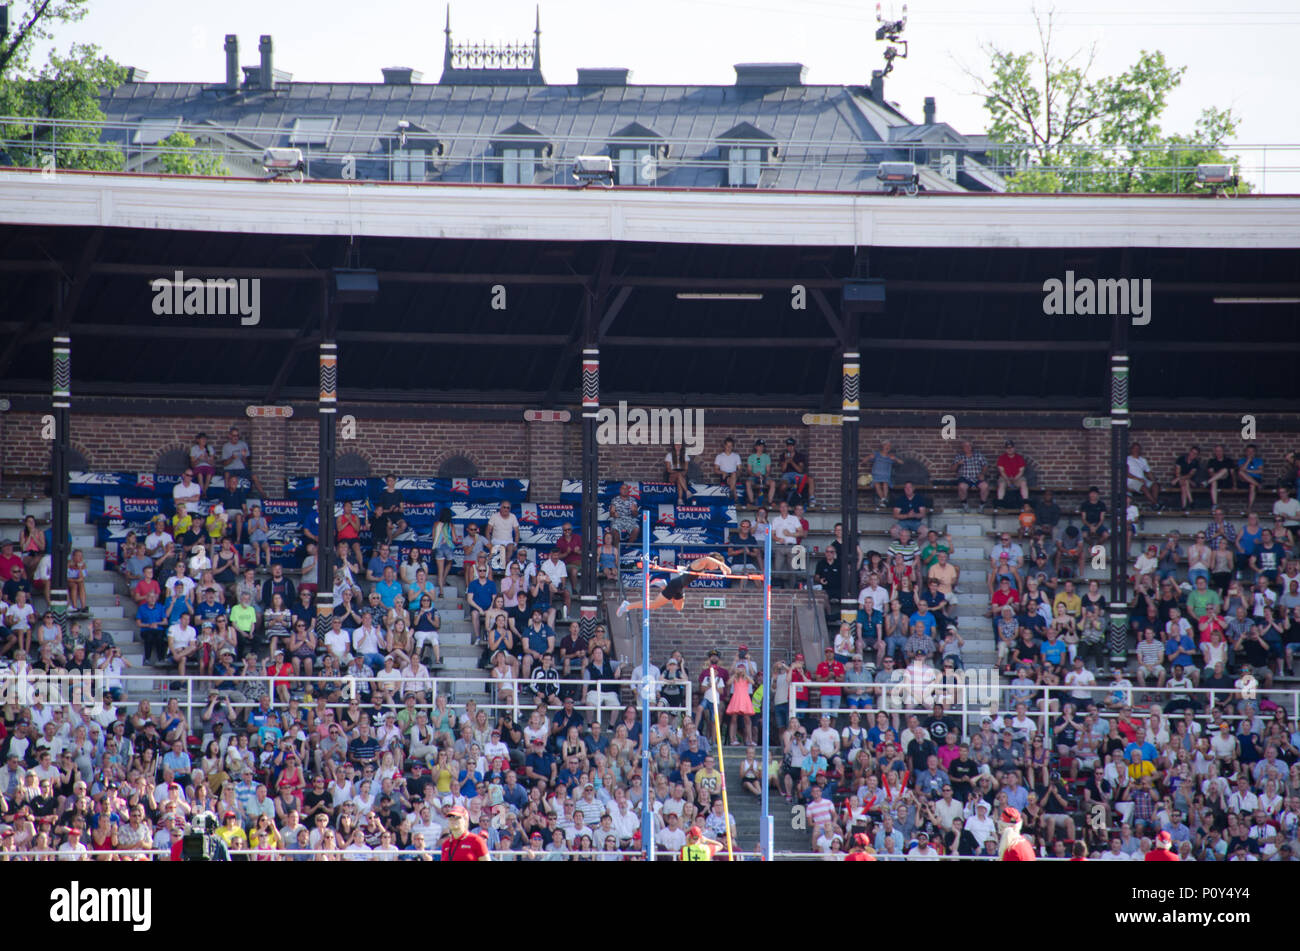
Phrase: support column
{"type": "Point", "coordinates": [1117, 639]}
{"type": "Point", "coordinates": [62, 405]}
{"type": "Point", "coordinates": [590, 578]}
{"type": "Point", "coordinates": [849, 430]}
{"type": "Point", "coordinates": [328, 413]}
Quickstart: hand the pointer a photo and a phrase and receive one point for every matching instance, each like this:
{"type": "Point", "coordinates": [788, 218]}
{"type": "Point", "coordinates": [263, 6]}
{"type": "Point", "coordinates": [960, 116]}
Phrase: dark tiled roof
{"type": "Point", "coordinates": [824, 137]}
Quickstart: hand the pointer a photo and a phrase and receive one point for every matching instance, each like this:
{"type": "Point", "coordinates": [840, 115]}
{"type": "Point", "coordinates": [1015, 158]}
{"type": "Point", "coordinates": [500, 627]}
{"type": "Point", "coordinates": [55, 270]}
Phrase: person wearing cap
{"type": "Point", "coordinates": [1012, 846]}
{"type": "Point", "coordinates": [698, 847]}
{"type": "Point", "coordinates": [1011, 471]}
{"type": "Point", "coordinates": [1163, 849]}
{"type": "Point", "coordinates": [463, 845]}
{"type": "Point", "coordinates": [923, 850]}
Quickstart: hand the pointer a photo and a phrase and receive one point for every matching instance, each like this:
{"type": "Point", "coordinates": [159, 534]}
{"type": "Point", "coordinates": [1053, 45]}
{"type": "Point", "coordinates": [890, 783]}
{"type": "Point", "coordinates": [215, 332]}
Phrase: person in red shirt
{"type": "Point", "coordinates": [830, 672]}
{"type": "Point", "coordinates": [799, 675]}
{"type": "Point", "coordinates": [860, 850]}
{"type": "Point", "coordinates": [1011, 471]}
{"type": "Point", "coordinates": [1013, 846]}
{"type": "Point", "coordinates": [569, 545]}
{"type": "Point", "coordinates": [277, 666]}
{"type": "Point", "coordinates": [1163, 850]}
{"type": "Point", "coordinates": [1080, 852]}
{"type": "Point", "coordinates": [462, 845]}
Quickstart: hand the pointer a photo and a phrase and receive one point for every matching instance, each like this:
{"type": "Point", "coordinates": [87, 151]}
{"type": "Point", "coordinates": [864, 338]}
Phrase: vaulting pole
{"type": "Point", "coordinates": [765, 812]}
{"type": "Point", "coordinates": [647, 818]}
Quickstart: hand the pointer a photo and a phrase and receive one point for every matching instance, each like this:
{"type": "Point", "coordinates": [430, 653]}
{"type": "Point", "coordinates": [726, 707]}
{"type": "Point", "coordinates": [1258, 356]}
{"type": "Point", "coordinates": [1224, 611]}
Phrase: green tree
{"type": "Point", "coordinates": [66, 88]}
{"type": "Point", "coordinates": [181, 156]}
{"type": "Point", "coordinates": [1068, 131]}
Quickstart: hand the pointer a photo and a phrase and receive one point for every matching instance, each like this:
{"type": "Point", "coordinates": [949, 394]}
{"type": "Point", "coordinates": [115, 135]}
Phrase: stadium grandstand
{"type": "Point", "coordinates": [327, 485]}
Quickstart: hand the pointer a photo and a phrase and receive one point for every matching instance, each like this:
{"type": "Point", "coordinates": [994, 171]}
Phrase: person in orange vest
{"type": "Point", "coordinates": [1013, 847]}
{"type": "Point", "coordinates": [1163, 850]}
{"type": "Point", "coordinates": [463, 845]}
{"type": "Point", "coordinates": [860, 850]}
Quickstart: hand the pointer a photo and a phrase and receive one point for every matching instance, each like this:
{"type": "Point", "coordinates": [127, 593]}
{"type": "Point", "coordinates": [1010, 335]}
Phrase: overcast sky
{"type": "Point", "coordinates": [1243, 58]}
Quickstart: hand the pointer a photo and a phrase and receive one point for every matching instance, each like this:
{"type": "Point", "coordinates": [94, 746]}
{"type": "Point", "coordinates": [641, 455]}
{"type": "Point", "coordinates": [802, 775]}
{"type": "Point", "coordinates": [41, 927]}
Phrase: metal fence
{"type": "Point", "coordinates": [53, 144]}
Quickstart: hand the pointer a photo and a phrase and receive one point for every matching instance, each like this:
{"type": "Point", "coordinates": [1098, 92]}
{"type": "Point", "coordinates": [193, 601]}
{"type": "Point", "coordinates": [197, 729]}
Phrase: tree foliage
{"type": "Point", "coordinates": [181, 156]}
{"type": "Point", "coordinates": [67, 88]}
{"type": "Point", "coordinates": [1070, 131]}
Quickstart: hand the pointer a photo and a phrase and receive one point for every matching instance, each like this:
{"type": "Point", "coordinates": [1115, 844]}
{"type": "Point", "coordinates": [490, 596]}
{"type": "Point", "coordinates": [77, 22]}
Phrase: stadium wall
{"type": "Point", "coordinates": [547, 453]}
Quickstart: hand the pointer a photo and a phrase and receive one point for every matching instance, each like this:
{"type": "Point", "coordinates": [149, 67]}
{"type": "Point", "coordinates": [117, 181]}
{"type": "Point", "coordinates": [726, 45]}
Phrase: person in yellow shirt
{"type": "Point", "coordinates": [231, 830]}
{"type": "Point", "coordinates": [1073, 603]}
{"type": "Point", "coordinates": [698, 847]}
{"type": "Point", "coordinates": [216, 523]}
{"type": "Point", "coordinates": [183, 529]}
{"type": "Point", "coordinates": [1139, 768]}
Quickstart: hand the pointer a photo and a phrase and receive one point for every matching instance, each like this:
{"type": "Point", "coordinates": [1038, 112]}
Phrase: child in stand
{"type": "Point", "coordinates": [741, 705]}
{"type": "Point", "coordinates": [1027, 520]}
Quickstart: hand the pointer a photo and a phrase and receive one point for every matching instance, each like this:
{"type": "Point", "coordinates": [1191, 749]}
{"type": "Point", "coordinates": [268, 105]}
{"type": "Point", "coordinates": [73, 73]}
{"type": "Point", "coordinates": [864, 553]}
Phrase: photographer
{"type": "Point", "coordinates": [1057, 805]}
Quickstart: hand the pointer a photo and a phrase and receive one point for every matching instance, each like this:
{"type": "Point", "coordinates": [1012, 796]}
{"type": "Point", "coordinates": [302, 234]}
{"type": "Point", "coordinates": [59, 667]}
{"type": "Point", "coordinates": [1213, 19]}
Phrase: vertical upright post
{"type": "Point", "coordinates": [61, 393]}
{"type": "Point", "coordinates": [328, 414]}
{"type": "Point", "coordinates": [647, 819]}
{"type": "Point", "coordinates": [1119, 422]}
{"type": "Point", "coordinates": [765, 814]}
{"type": "Point", "coordinates": [850, 406]}
{"type": "Point", "coordinates": [590, 578]}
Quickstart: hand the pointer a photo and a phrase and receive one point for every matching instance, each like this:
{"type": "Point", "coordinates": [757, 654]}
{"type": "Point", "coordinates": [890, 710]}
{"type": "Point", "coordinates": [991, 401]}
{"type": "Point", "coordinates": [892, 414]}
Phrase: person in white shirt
{"type": "Point", "coordinates": [1287, 507]}
{"type": "Point", "coordinates": [187, 491]}
{"type": "Point", "coordinates": [879, 596]}
{"type": "Point", "coordinates": [1114, 853]}
{"type": "Point", "coordinates": [74, 850]}
{"type": "Point", "coordinates": [981, 825]}
{"type": "Point", "coordinates": [726, 465]}
{"type": "Point", "coordinates": [503, 531]}
{"type": "Point", "coordinates": [786, 530]}
{"type": "Point", "coordinates": [179, 583]}
{"type": "Point", "coordinates": [1139, 475]}
{"type": "Point", "coordinates": [182, 642]}
{"type": "Point", "coordinates": [923, 850]}
{"type": "Point", "coordinates": [672, 836]}
{"type": "Point", "coordinates": [555, 574]}
{"type": "Point", "coordinates": [338, 641]}
{"type": "Point", "coordinates": [825, 738]}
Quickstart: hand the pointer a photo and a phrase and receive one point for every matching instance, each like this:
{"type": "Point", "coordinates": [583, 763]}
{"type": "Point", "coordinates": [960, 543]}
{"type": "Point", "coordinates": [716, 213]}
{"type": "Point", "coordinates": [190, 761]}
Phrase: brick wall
{"type": "Point", "coordinates": [549, 452]}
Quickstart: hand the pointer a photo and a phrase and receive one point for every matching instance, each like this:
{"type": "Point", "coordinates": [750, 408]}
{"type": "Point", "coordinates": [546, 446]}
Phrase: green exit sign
{"type": "Point", "coordinates": [715, 602]}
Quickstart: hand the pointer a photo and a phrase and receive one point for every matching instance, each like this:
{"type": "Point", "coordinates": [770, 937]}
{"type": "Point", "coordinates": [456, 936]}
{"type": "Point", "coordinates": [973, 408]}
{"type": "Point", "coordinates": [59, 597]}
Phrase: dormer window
{"type": "Point", "coordinates": [518, 165]}
{"type": "Point", "coordinates": [410, 148]}
{"type": "Point", "coordinates": [636, 152]}
{"type": "Point", "coordinates": [521, 150]}
{"type": "Point", "coordinates": [312, 131]}
{"type": "Point", "coordinates": [746, 150]}
{"type": "Point", "coordinates": [744, 166]}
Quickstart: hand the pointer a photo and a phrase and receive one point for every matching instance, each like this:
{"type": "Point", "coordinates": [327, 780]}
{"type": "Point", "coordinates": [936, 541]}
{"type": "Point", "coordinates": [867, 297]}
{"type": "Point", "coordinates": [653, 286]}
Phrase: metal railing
{"type": "Point", "coordinates": [53, 144]}
{"type": "Point", "coordinates": [350, 690]}
{"type": "Point", "coordinates": [900, 697]}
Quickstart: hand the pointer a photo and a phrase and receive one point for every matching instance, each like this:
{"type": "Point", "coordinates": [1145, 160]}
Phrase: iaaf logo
{"type": "Point", "coordinates": [654, 427]}
{"type": "Point", "coordinates": [922, 687]}
{"type": "Point", "coordinates": [80, 689]}
{"type": "Point", "coordinates": [1085, 297]}
{"type": "Point", "coordinates": [77, 905]}
{"type": "Point", "coordinates": [180, 296]}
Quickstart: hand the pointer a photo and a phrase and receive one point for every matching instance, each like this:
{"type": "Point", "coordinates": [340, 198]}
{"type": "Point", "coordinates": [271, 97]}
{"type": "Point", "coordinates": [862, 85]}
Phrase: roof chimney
{"type": "Point", "coordinates": [401, 75]}
{"type": "Point", "coordinates": [878, 85]}
{"type": "Point", "coordinates": [929, 110]}
{"type": "Point", "coordinates": [267, 78]}
{"type": "Point", "coordinates": [603, 76]}
{"type": "Point", "coordinates": [232, 62]}
{"type": "Point", "coordinates": [770, 74]}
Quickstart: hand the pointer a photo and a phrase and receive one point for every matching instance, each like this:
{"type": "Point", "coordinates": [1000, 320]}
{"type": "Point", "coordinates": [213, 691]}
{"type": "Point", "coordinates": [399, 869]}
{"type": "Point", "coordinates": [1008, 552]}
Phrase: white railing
{"type": "Point", "coordinates": [350, 685]}
{"type": "Point", "coordinates": [475, 150]}
{"type": "Point", "coordinates": [971, 702]}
